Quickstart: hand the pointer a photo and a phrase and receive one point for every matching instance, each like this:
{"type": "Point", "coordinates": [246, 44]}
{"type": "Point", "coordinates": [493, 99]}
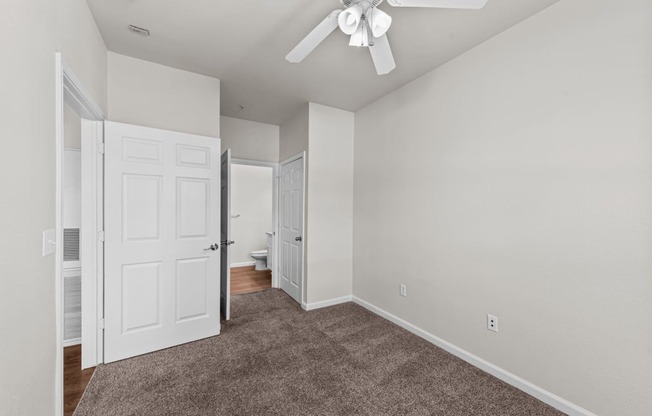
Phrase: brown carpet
{"type": "Point", "coordinates": [273, 358]}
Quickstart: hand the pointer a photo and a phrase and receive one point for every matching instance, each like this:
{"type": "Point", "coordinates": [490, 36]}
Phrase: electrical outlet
{"type": "Point", "coordinates": [403, 290]}
{"type": "Point", "coordinates": [492, 323]}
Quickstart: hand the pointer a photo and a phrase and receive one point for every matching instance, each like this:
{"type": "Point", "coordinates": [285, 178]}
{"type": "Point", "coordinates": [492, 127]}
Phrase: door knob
{"type": "Point", "coordinates": [227, 242]}
{"type": "Point", "coordinates": [213, 247]}
{"type": "Point", "coordinates": [298, 238]}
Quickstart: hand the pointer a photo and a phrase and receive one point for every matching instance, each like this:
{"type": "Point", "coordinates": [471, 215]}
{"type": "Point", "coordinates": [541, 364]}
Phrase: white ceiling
{"type": "Point", "coordinates": [244, 43]}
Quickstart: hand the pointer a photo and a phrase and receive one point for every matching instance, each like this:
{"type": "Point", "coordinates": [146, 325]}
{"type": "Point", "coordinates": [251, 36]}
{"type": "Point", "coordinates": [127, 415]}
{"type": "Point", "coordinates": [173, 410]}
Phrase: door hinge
{"type": "Point", "coordinates": [100, 236]}
{"type": "Point", "coordinates": [100, 148]}
{"type": "Point", "coordinates": [101, 323]}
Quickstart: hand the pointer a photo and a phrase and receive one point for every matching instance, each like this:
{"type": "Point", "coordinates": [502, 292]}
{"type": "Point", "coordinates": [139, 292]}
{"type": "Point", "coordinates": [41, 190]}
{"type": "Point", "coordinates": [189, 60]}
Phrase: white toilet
{"type": "Point", "coordinates": [262, 257]}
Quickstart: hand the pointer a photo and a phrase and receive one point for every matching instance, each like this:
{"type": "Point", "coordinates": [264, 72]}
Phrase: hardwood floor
{"type": "Point", "coordinates": [74, 378]}
{"type": "Point", "coordinates": [243, 280]}
{"type": "Point", "coordinates": [247, 280]}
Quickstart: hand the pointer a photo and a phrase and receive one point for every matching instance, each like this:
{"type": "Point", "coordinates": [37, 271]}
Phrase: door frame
{"type": "Point", "coordinates": [92, 243]}
{"type": "Point", "coordinates": [275, 209]}
{"type": "Point", "coordinates": [225, 234]}
{"type": "Point", "coordinates": [69, 90]}
{"type": "Point", "coordinates": [302, 156]}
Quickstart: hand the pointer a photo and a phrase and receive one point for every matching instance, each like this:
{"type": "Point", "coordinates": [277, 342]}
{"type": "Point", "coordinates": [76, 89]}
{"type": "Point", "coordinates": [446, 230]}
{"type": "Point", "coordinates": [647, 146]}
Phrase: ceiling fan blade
{"type": "Point", "coordinates": [444, 4]}
{"type": "Point", "coordinates": [314, 38]}
{"type": "Point", "coordinates": [381, 54]}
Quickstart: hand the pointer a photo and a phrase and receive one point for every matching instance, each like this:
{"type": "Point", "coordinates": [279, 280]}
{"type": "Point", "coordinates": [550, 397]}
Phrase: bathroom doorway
{"type": "Point", "coordinates": [253, 225]}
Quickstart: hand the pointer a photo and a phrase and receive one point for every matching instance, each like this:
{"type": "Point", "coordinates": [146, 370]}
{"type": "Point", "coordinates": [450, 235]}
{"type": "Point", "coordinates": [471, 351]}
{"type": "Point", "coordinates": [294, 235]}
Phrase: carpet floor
{"type": "Point", "coordinates": [273, 358]}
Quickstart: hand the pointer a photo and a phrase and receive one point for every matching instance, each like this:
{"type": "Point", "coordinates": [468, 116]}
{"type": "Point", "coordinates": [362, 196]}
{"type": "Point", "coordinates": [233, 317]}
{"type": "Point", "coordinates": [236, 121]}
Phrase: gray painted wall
{"type": "Point", "coordinates": [153, 95]}
{"type": "Point", "coordinates": [294, 134]}
{"type": "Point", "coordinates": [250, 140]}
{"type": "Point", "coordinates": [31, 33]}
{"type": "Point", "coordinates": [326, 135]}
{"type": "Point", "coordinates": [330, 201]}
{"type": "Point", "coordinates": [516, 180]}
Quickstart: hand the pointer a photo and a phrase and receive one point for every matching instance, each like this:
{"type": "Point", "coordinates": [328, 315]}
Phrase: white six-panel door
{"type": "Point", "coordinates": [162, 215]}
{"type": "Point", "coordinates": [291, 253]}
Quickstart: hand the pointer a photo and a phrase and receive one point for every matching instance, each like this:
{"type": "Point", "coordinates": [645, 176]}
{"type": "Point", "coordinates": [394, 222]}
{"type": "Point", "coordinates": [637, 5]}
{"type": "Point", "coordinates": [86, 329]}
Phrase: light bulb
{"type": "Point", "coordinates": [349, 20]}
{"type": "Point", "coordinates": [379, 22]}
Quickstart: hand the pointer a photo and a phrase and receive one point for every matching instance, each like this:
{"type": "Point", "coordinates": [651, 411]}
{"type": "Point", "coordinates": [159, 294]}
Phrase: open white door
{"type": "Point", "coordinates": [225, 272]}
{"type": "Point", "coordinates": [162, 224]}
{"type": "Point", "coordinates": [291, 254]}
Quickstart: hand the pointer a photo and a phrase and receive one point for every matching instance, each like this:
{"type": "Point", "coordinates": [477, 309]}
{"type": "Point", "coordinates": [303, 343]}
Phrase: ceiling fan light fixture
{"type": "Point", "coordinates": [368, 27]}
{"type": "Point", "coordinates": [379, 22]}
{"type": "Point", "coordinates": [349, 20]}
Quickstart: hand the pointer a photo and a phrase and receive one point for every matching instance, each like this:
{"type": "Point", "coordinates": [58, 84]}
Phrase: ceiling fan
{"type": "Point", "coordinates": [367, 25]}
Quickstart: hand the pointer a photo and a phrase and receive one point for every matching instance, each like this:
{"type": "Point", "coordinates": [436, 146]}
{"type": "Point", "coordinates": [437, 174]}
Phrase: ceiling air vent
{"type": "Point", "coordinates": [139, 30]}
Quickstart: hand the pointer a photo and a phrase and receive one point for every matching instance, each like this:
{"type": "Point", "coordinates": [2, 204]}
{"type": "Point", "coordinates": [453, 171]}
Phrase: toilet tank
{"type": "Point", "coordinates": [270, 251]}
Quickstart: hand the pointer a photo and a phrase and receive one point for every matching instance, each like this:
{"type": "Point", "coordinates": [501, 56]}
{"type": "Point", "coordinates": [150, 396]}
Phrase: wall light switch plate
{"type": "Point", "coordinates": [49, 242]}
{"type": "Point", "coordinates": [403, 290]}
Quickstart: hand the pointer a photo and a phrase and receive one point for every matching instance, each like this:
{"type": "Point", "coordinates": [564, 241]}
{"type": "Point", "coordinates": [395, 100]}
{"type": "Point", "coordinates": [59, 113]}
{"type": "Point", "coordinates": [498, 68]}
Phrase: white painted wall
{"type": "Point", "coordinates": [252, 199]}
{"type": "Point", "coordinates": [250, 140]}
{"type": "Point", "coordinates": [30, 34]}
{"type": "Point", "coordinates": [330, 201]}
{"type": "Point", "coordinates": [153, 95]}
{"type": "Point", "coordinates": [517, 180]}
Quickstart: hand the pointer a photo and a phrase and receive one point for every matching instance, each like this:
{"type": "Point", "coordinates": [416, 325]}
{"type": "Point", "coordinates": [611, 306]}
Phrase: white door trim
{"type": "Point", "coordinates": [225, 234]}
{"type": "Point", "coordinates": [302, 156]}
{"type": "Point", "coordinates": [70, 90]}
{"type": "Point", "coordinates": [91, 241]}
{"type": "Point", "coordinates": [249, 162]}
{"type": "Point", "coordinates": [275, 212]}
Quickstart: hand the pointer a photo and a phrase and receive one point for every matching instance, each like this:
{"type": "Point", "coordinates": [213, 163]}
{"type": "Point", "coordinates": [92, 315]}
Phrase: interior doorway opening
{"type": "Point", "coordinates": [75, 378]}
{"type": "Point", "coordinates": [253, 225]}
{"type": "Point", "coordinates": [78, 250]}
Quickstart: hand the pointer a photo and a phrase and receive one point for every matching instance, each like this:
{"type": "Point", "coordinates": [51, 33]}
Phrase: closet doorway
{"type": "Point", "coordinates": [77, 243]}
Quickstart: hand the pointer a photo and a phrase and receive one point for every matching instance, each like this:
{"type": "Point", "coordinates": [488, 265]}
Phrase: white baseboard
{"type": "Point", "coordinates": [504, 375]}
{"type": "Point", "coordinates": [71, 342]}
{"type": "Point", "coordinates": [325, 303]}
{"type": "Point", "coordinates": [243, 264]}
